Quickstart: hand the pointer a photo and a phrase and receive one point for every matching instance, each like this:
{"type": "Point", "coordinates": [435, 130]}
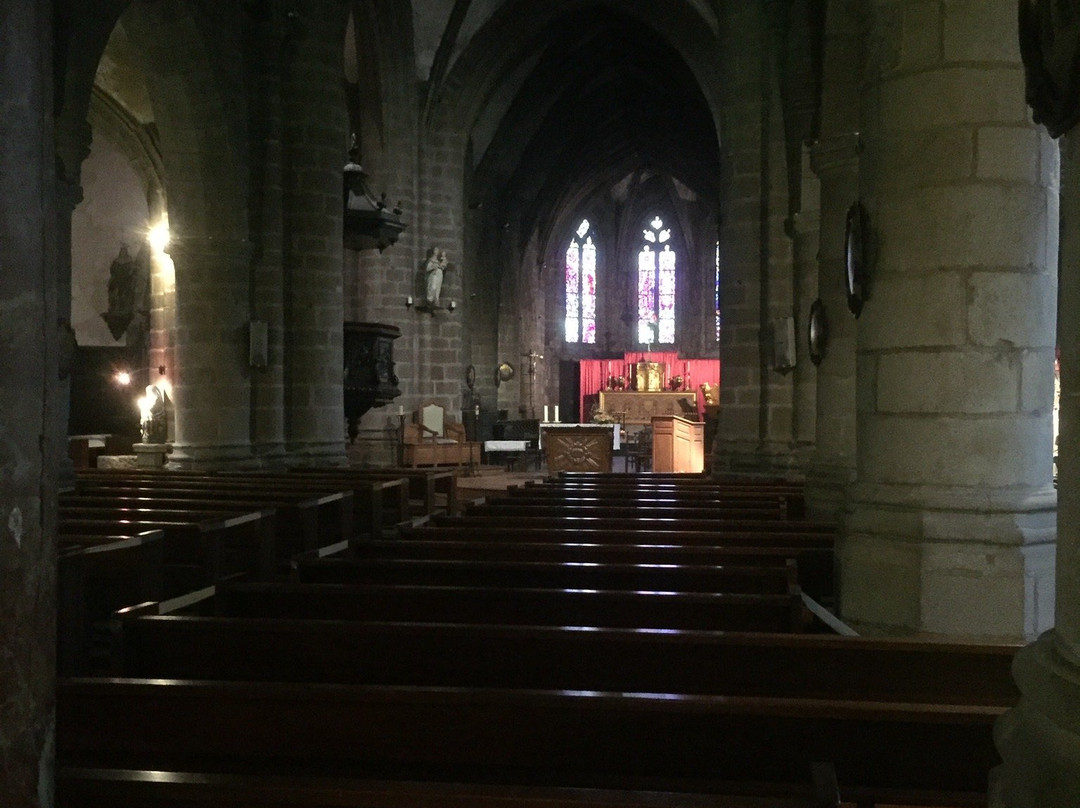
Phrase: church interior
{"type": "Point", "coordinates": [564, 403]}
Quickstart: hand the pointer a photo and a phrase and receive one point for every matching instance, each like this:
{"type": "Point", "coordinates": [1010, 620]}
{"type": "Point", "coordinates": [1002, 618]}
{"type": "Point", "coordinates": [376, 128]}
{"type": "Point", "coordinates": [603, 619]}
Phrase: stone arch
{"type": "Point", "coordinates": [195, 83]}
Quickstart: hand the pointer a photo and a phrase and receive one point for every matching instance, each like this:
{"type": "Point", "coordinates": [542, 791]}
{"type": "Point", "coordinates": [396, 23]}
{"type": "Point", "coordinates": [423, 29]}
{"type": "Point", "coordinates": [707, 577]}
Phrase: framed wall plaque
{"type": "Point", "coordinates": [855, 257]}
{"type": "Point", "coordinates": [817, 336]}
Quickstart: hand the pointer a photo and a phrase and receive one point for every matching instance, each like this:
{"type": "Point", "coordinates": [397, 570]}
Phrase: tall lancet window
{"type": "Point", "coordinates": [656, 285]}
{"type": "Point", "coordinates": [717, 295]}
{"type": "Point", "coordinates": [581, 286]}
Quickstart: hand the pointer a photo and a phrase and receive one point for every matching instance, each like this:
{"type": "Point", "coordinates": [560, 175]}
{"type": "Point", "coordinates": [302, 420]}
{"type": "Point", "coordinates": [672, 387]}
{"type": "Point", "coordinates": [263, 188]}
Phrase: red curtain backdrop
{"type": "Point", "coordinates": [595, 372]}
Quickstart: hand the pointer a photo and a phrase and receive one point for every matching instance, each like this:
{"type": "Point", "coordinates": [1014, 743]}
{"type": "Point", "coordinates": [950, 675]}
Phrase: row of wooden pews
{"type": "Point", "coordinates": [631, 655]}
{"type": "Point", "coordinates": [129, 536]}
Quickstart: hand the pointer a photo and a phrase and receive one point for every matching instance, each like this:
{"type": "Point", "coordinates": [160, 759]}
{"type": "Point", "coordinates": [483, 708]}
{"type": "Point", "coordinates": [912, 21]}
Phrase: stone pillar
{"type": "Point", "coordinates": [267, 283]}
{"type": "Point", "coordinates": [834, 159]}
{"type": "Point", "coordinates": [832, 468]}
{"type": "Point", "coordinates": [1039, 740]}
{"type": "Point", "coordinates": [950, 527]}
{"type": "Point", "coordinates": [210, 389]}
{"type": "Point", "coordinates": [315, 133]}
{"type": "Point", "coordinates": [806, 230]}
{"type": "Point", "coordinates": [31, 429]}
{"type": "Point", "coordinates": [756, 401]}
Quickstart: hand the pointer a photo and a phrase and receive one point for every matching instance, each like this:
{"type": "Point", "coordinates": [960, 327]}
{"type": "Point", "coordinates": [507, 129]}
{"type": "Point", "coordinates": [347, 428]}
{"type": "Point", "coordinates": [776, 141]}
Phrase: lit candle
{"type": "Point", "coordinates": [545, 413]}
{"type": "Point", "coordinates": [556, 413]}
{"type": "Point", "coordinates": [400, 410]}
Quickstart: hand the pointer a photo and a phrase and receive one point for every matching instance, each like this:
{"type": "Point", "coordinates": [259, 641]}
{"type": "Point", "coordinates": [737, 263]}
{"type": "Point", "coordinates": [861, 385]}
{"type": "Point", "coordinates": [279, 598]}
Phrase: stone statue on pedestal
{"type": "Point", "coordinates": [436, 265]}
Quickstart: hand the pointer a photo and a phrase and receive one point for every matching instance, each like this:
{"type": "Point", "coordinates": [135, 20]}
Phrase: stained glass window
{"type": "Point", "coordinates": [656, 285]}
{"type": "Point", "coordinates": [581, 286]}
{"type": "Point", "coordinates": [717, 298]}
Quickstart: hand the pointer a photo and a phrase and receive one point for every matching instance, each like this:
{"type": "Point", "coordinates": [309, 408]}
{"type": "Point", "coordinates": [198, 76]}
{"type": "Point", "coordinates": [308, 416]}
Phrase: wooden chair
{"type": "Point", "coordinates": [434, 440]}
{"type": "Point", "coordinates": [639, 453]}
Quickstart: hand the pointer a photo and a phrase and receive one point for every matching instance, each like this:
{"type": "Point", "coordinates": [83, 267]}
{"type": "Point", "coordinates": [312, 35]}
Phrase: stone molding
{"type": "Point", "coordinates": [975, 500]}
{"type": "Point", "coordinates": [836, 153]}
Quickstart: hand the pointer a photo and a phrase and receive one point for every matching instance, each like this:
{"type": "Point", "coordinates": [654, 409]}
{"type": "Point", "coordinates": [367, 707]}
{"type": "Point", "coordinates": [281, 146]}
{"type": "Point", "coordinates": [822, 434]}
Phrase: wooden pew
{"type": "Point", "coordinates": [445, 604]}
{"type": "Point", "coordinates": [116, 788]}
{"type": "Point", "coordinates": [638, 524]}
{"type": "Point", "coordinates": [813, 552]}
{"type": "Point", "coordinates": [297, 526]}
{"type": "Point", "coordinates": [96, 578]}
{"type": "Point", "coordinates": [792, 502]}
{"type": "Point", "coordinates": [560, 658]}
{"type": "Point", "coordinates": [510, 509]}
{"type": "Point", "coordinates": [199, 548]}
{"type": "Point", "coordinates": [743, 579]}
{"type": "Point", "coordinates": [580, 739]}
{"type": "Point", "coordinates": [814, 565]}
{"type": "Point", "coordinates": [309, 518]}
{"type": "Point", "coordinates": [435, 488]}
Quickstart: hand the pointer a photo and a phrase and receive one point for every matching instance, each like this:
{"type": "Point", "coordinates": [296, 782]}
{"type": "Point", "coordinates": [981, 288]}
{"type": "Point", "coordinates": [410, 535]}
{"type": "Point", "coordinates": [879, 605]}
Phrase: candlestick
{"type": "Point", "coordinates": [556, 413]}
{"type": "Point", "coordinates": [546, 413]}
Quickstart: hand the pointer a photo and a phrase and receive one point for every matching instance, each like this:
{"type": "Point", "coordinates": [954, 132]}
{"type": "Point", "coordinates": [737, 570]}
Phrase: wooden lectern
{"type": "Point", "coordinates": [678, 445]}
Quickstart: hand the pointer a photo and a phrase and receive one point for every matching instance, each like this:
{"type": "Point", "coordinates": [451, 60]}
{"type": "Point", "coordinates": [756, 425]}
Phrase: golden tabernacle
{"type": "Point", "coordinates": [650, 376]}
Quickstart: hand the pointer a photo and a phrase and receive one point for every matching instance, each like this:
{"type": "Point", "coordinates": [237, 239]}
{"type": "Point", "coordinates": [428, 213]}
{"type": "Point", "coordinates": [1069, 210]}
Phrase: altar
{"type": "Point", "coordinates": [616, 436]}
{"type": "Point", "coordinates": [641, 407]}
{"type": "Point", "coordinates": [661, 374]}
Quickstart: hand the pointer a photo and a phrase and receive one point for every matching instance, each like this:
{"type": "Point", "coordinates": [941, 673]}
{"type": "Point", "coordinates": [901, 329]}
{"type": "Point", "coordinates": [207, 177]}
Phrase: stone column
{"type": "Point", "coordinates": [832, 468]}
{"type": "Point", "coordinates": [315, 134]}
{"type": "Point", "coordinates": [806, 230]}
{"type": "Point", "coordinates": [1039, 739]}
{"type": "Point", "coordinates": [835, 160]}
{"type": "Point", "coordinates": [951, 524]}
{"type": "Point", "coordinates": [210, 389]}
{"type": "Point", "coordinates": [756, 403]}
{"type": "Point", "coordinates": [267, 282]}
{"type": "Point", "coordinates": [31, 431]}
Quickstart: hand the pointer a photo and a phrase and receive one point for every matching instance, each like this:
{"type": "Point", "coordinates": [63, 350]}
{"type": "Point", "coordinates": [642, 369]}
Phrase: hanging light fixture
{"type": "Point", "coordinates": [368, 221]}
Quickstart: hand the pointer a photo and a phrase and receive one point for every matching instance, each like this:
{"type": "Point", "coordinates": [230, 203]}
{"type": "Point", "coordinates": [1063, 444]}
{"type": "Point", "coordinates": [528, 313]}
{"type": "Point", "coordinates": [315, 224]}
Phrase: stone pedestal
{"type": "Point", "coordinates": [151, 455]}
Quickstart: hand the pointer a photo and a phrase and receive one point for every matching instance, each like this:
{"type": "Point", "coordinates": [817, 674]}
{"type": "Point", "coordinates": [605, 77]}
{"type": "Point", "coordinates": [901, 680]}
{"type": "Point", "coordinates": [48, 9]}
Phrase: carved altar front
{"type": "Point", "coordinates": [640, 407]}
{"type": "Point", "coordinates": [582, 448]}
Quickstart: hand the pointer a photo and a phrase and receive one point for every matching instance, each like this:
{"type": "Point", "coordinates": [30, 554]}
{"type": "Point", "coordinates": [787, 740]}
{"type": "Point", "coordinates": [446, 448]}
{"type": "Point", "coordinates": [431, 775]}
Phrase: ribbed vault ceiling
{"type": "Point", "coordinates": [607, 96]}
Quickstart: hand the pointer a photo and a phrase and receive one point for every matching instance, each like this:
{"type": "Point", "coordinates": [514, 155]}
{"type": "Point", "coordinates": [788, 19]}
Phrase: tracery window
{"type": "Point", "coordinates": [581, 286]}
{"type": "Point", "coordinates": [656, 285]}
